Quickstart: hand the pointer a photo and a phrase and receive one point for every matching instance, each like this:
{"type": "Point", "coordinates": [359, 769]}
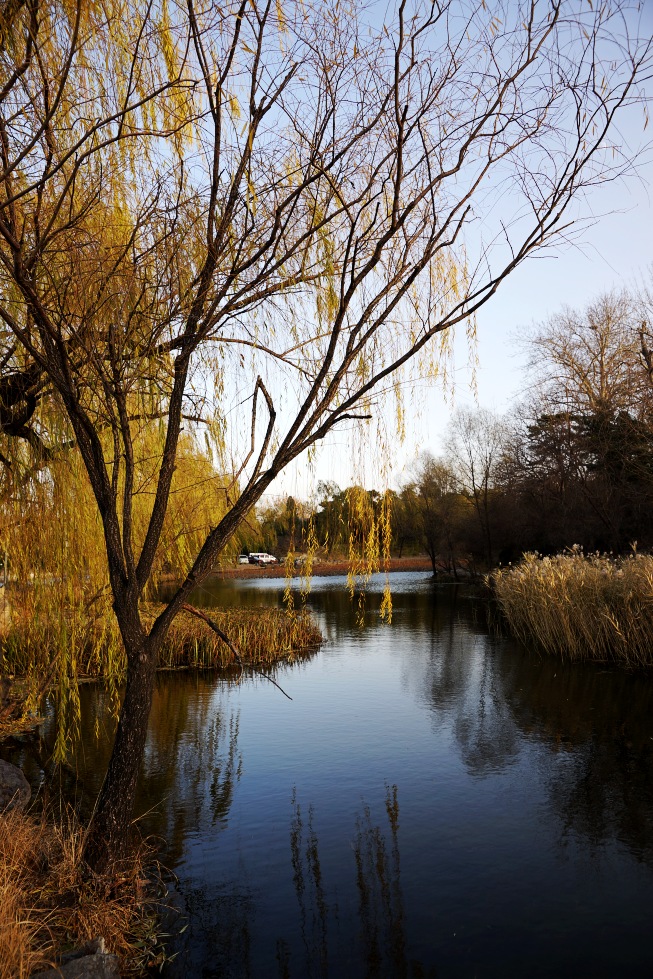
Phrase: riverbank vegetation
{"type": "Point", "coordinates": [580, 607]}
{"type": "Point", "coordinates": [200, 254]}
{"type": "Point", "coordinates": [51, 903]}
{"type": "Point", "coordinates": [43, 659]}
{"type": "Point", "coordinates": [261, 636]}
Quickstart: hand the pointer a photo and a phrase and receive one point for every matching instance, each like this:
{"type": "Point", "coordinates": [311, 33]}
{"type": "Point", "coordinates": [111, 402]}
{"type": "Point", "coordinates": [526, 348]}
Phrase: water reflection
{"type": "Point", "coordinates": [526, 790]}
{"type": "Point", "coordinates": [309, 888]}
{"type": "Point", "coordinates": [596, 722]}
{"type": "Point", "coordinates": [191, 765]}
{"type": "Point", "coordinates": [382, 944]}
{"type": "Point", "coordinates": [381, 907]}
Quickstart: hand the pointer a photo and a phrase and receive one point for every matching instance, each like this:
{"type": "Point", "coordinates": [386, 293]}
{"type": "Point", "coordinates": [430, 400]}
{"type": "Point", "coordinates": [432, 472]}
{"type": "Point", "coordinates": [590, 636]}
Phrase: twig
{"type": "Point", "coordinates": [225, 638]}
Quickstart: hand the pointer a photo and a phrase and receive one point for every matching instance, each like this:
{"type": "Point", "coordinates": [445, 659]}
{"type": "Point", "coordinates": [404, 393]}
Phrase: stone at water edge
{"type": "Point", "coordinates": [98, 966]}
{"type": "Point", "coordinates": [15, 792]}
{"type": "Point", "coordinates": [90, 962]}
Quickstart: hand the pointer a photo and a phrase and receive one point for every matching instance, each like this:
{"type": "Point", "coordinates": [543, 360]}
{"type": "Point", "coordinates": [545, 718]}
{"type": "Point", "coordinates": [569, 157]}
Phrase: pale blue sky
{"type": "Point", "coordinates": [614, 249]}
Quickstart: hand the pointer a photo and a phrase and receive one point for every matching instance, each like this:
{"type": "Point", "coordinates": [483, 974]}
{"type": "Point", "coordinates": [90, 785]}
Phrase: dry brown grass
{"type": "Point", "coordinates": [592, 607]}
{"type": "Point", "coordinates": [50, 902]}
{"type": "Point", "coordinates": [262, 636]}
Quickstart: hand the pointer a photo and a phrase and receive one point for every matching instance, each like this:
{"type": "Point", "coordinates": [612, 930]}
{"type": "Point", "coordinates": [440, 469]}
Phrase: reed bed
{"type": "Point", "coordinates": [261, 636]}
{"type": "Point", "coordinates": [51, 903]}
{"type": "Point", "coordinates": [581, 607]}
{"type": "Point", "coordinates": [37, 647]}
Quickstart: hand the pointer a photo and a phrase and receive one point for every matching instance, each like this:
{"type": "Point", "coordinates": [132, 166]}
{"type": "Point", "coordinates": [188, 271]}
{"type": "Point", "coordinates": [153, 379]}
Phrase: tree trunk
{"type": "Point", "coordinates": [432, 553]}
{"type": "Point", "coordinates": [108, 835]}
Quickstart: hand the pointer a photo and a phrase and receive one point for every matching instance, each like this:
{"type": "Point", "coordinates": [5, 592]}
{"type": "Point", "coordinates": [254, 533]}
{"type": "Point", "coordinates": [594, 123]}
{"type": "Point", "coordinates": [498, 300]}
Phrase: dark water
{"type": "Point", "coordinates": [435, 801]}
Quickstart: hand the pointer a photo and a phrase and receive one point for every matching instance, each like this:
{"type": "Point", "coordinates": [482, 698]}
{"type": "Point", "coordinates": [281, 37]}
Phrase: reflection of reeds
{"type": "Point", "coordinates": [380, 899]}
{"type": "Point", "coordinates": [379, 891]}
{"type": "Point", "coordinates": [307, 878]}
{"type": "Point", "coordinates": [581, 607]}
{"type": "Point", "coordinates": [49, 901]}
{"type": "Point", "coordinates": [226, 774]}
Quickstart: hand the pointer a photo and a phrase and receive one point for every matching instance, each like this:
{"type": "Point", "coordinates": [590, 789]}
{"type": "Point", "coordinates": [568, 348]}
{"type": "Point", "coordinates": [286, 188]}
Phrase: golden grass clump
{"type": "Point", "coordinates": [261, 636]}
{"type": "Point", "coordinates": [50, 902]}
{"type": "Point", "coordinates": [582, 607]}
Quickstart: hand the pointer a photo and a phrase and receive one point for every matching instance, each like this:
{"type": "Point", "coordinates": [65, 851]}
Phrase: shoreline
{"type": "Point", "coordinates": [322, 569]}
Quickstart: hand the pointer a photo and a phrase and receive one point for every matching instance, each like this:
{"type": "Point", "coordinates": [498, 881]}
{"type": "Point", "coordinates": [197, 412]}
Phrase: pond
{"type": "Point", "coordinates": [434, 800]}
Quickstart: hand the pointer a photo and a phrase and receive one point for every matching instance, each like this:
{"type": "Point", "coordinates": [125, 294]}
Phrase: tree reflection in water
{"type": "Point", "coordinates": [190, 768]}
{"type": "Point", "coordinates": [381, 938]}
{"type": "Point", "coordinates": [595, 722]}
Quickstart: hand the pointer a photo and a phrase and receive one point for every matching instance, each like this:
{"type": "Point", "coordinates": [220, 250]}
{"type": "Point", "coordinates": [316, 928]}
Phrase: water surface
{"type": "Point", "coordinates": [434, 801]}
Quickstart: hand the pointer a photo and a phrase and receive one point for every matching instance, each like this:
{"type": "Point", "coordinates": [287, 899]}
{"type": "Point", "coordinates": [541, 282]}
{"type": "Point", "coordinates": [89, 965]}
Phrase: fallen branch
{"type": "Point", "coordinates": [225, 638]}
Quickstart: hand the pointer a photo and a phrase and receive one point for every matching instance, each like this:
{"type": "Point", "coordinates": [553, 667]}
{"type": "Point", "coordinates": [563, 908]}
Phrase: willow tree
{"type": "Point", "coordinates": [260, 215]}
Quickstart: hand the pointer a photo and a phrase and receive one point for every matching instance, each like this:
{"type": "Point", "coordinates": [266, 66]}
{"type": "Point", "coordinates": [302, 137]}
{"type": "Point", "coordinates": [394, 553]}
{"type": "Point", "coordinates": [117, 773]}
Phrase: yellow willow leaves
{"type": "Point", "coordinates": [167, 42]}
{"type": "Point", "coordinates": [312, 546]}
{"type": "Point", "coordinates": [400, 410]}
{"type": "Point", "coordinates": [281, 17]}
{"type": "Point", "coordinates": [60, 623]}
{"type": "Point", "coordinates": [234, 107]}
{"type": "Point", "coordinates": [370, 536]}
{"type": "Point", "coordinates": [177, 105]}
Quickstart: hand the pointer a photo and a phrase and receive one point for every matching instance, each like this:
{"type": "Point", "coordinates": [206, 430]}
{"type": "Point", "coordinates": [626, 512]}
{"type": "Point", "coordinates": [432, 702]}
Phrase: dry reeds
{"type": "Point", "coordinates": [50, 902]}
{"type": "Point", "coordinates": [582, 607]}
{"type": "Point", "coordinates": [262, 636]}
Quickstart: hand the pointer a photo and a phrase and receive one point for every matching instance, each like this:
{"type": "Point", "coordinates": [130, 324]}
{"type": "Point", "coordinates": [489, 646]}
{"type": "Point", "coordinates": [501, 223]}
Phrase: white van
{"type": "Point", "coordinates": [260, 557]}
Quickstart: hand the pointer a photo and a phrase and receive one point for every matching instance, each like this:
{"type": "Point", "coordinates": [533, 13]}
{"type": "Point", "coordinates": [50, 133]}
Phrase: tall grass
{"type": "Point", "coordinates": [262, 637]}
{"type": "Point", "coordinates": [50, 902]}
{"type": "Point", "coordinates": [37, 654]}
{"type": "Point", "coordinates": [580, 607]}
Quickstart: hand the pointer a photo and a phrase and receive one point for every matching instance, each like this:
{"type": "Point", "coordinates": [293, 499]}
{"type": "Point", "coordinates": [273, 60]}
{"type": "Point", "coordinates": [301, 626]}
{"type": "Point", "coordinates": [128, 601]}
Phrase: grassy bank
{"type": "Point", "coordinates": [262, 637]}
{"type": "Point", "coordinates": [579, 607]}
{"type": "Point", "coordinates": [35, 645]}
{"type": "Point", "coordinates": [38, 657]}
{"type": "Point", "coordinates": [51, 903]}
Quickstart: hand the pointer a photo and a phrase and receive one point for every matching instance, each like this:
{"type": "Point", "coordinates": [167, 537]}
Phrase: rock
{"type": "Point", "coordinates": [89, 962]}
{"type": "Point", "coordinates": [14, 788]}
{"type": "Point", "coordinates": [101, 965]}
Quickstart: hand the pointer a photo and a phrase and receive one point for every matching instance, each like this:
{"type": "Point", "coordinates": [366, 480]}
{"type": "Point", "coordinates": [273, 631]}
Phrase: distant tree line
{"type": "Point", "coordinates": [573, 464]}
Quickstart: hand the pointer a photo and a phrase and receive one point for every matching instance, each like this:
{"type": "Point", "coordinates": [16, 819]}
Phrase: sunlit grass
{"type": "Point", "coordinates": [581, 607]}
{"type": "Point", "coordinates": [50, 902]}
{"type": "Point", "coordinates": [261, 636]}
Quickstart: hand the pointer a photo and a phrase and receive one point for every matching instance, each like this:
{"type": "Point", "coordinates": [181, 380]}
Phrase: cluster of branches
{"type": "Point", "coordinates": [211, 207]}
{"type": "Point", "coordinates": [574, 463]}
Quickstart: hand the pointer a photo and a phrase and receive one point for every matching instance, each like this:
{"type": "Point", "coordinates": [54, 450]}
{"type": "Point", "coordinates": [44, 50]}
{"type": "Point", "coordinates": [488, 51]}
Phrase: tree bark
{"type": "Point", "coordinates": [109, 832]}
